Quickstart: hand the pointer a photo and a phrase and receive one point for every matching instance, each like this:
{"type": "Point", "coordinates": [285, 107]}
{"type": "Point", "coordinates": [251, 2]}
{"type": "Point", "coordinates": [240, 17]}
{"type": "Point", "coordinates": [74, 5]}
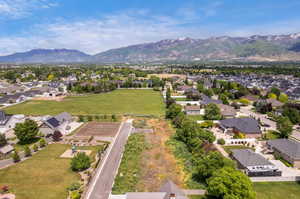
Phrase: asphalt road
{"type": "Point", "coordinates": [101, 185]}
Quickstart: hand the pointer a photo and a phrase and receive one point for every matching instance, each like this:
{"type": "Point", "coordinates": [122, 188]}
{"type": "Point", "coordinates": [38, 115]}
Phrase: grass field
{"type": "Point", "coordinates": [140, 102]}
{"type": "Point", "coordinates": [45, 175]}
{"type": "Point", "coordinates": [277, 190]}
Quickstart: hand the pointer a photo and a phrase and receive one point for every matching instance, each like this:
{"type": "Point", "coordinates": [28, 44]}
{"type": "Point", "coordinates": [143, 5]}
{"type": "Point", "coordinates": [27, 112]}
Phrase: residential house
{"type": "Point", "coordinates": [205, 100]}
{"type": "Point", "coordinates": [247, 126]}
{"type": "Point", "coordinates": [56, 126]}
{"type": "Point", "coordinates": [192, 110]}
{"type": "Point", "coordinates": [227, 111]}
{"type": "Point", "coordinates": [286, 149]}
{"type": "Point", "coordinates": [254, 164]}
{"type": "Point", "coordinates": [8, 122]}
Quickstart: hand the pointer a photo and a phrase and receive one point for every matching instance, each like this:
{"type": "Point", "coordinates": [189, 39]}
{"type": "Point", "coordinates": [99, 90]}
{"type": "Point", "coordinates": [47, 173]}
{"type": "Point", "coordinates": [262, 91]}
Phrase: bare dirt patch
{"type": "Point", "coordinates": [101, 129]}
{"type": "Point", "coordinates": [58, 99]}
{"type": "Point", "coordinates": [158, 163]}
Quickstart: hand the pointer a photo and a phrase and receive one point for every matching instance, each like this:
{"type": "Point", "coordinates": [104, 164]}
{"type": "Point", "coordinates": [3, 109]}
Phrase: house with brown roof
{"type": "Point", "coordinates": [227, 111]}
{"type": "Point", "coordinates": [192, 110]}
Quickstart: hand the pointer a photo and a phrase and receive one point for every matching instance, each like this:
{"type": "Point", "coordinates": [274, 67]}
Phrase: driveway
{"type": "Point", "coordinates": [102, 183]}
{"type": "Point", "coordinates": [286, 171]}
{"type": "Point", "coordinates": [263, 118]}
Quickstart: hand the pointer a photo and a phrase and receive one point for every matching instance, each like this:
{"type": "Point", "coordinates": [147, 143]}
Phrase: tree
{"type": "Point", "coordinates": [173, 111]}
{"type": "Point", "coordinates": [212, 112]}
{"type": "Point", "coordinates": [272, 96]}
{"type": "Point", "coordinates": [3, 140]}
{"type": "Point", "coordinates": [26, 131]}
{"type": "Point", "coordinates": [224, 99]}
{"type": "Point", "coordinates": [80, 162]}
{"type": "Point", "coordinates": [168, 94]}
{"type": "Point", "coordinates": [244, 101]}
{"type": "Point", "coordinates": [229, 183]}
{"type": "Point", "coordinates": [284, 126]}
{"type": "Point", "coordinates": [27, 151]}
{"type": "Point", "coordinates": [293, 114]}
{"type": "Point", "coordinates": [206, 165]}
{"type": "Point", "coordinates": [284, 98]}
{"type": "Point", "coordinates": [276, 91]}
{"type": "Point", "coordinates": [16, 157]}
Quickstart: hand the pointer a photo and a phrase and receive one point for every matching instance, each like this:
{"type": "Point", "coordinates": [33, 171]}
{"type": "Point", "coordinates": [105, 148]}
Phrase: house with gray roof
{"type": "Point", "coordinates": [168, 191]}
{"type": "Point", "coordinates": [8, 121]}
{"type": "Point", "coordinates": [286, 149]}
{"type": "Point", "coordinates": [205, 100]}
{"type": "Point", "coordinates": [254, 164]}
{"type": "Point", "coordinates": [247, 126]}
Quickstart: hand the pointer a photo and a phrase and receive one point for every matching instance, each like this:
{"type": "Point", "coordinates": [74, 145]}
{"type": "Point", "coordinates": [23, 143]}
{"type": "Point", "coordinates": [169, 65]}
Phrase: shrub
{"type": "Point", "coordinates": [35, 148]}
{"type": "Point", "coordinates": [80, 162]}
{"type": "Point", "coordinates": [27, 151]}
{"type": "Point", "coordinates": [16, 157]}
{"type": "Point", "coordinates": [42, 143]}
{"type": "Point", "coordinates": [81, 118]}
{"type": "Point", "coordinates": [75, 195]}
{"type": "Point", "coordinates": [221, 141]}
{"type": "Point", "coordinates": [114, 118]}
{"type": "Point", "coordinates": [3, 140]}
{"type": "Point", "coordinates": [90, 118]}
{"type": "Point", "coordinates": [74, 186]}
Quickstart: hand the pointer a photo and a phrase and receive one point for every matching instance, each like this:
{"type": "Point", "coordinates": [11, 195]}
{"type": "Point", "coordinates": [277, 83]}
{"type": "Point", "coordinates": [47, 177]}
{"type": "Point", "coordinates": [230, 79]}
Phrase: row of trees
{"type": "Point", "coordinates": [223, 180]}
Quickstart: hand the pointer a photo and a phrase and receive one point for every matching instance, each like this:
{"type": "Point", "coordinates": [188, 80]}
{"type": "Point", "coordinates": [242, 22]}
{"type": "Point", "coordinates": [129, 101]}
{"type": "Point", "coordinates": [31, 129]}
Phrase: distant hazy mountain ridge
{"type": "Point", "coordinates": [260, 48]}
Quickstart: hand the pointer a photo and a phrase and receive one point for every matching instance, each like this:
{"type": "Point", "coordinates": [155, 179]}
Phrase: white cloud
{"type": "Point", "coordinates": [21, 8]}
{"type": "Point", "coordinates": [123, 29]}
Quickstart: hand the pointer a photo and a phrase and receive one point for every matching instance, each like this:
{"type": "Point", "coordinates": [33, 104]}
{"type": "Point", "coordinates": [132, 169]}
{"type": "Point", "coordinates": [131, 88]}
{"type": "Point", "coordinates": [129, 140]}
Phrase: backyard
{"type": "Point", "coordinates": [45, 175]}
{"type": "Point", "coordinates": [140, 102]}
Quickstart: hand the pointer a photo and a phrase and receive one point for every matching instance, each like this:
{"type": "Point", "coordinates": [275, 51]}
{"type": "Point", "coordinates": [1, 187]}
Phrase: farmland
{"type": "Point", "coordinates": [139, 102]}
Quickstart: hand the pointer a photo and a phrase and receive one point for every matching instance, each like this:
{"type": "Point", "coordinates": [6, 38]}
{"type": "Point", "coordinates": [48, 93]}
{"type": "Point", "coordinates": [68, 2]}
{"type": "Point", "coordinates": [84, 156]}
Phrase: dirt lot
{"type": "Point", "coordinates": [168, 75]}
{"type": "Point", "coordinates": [158, 162]}
{"type": "Point", "coordinates": [102, 129]}
{"type": "Point", "coordinates": [58, 99]}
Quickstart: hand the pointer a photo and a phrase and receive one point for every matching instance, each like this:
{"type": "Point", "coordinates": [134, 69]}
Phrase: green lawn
{"type": "Point", "coordinates": [141, 102]}
{"type": "Point", "coordinates": [195, 117]}
{"type": "Point", "coordinates": [277, 190]}
{"type": "Point", "coordinates": [229, 148]}
{"type": "Point", "coordinates": [45, 175]}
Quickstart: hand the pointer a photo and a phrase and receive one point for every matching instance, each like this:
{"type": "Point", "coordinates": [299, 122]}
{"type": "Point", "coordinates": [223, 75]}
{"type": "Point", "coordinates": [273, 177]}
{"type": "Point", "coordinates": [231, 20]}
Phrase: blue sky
{"type": "Point", "coordinates": [93, 26]}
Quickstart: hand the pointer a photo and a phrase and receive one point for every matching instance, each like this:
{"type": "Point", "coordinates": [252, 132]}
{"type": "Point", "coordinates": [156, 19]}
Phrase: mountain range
{"type": "Point", "coordinates": [255, 48]}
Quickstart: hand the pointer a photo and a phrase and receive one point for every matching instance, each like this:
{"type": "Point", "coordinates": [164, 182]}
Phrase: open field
{"type": "Point", "coordinates": [277, 190]}
{"type": "Point", "coordinates": [147, 162]}
{"type": "Point", "coordinates": [45, 175]}
{"type": "Point", "coordinates": [127, 101]}
{"type": "Point", "coordinates": [158, 161]}
{"type": "Point", "coordinates": [108, 129]}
